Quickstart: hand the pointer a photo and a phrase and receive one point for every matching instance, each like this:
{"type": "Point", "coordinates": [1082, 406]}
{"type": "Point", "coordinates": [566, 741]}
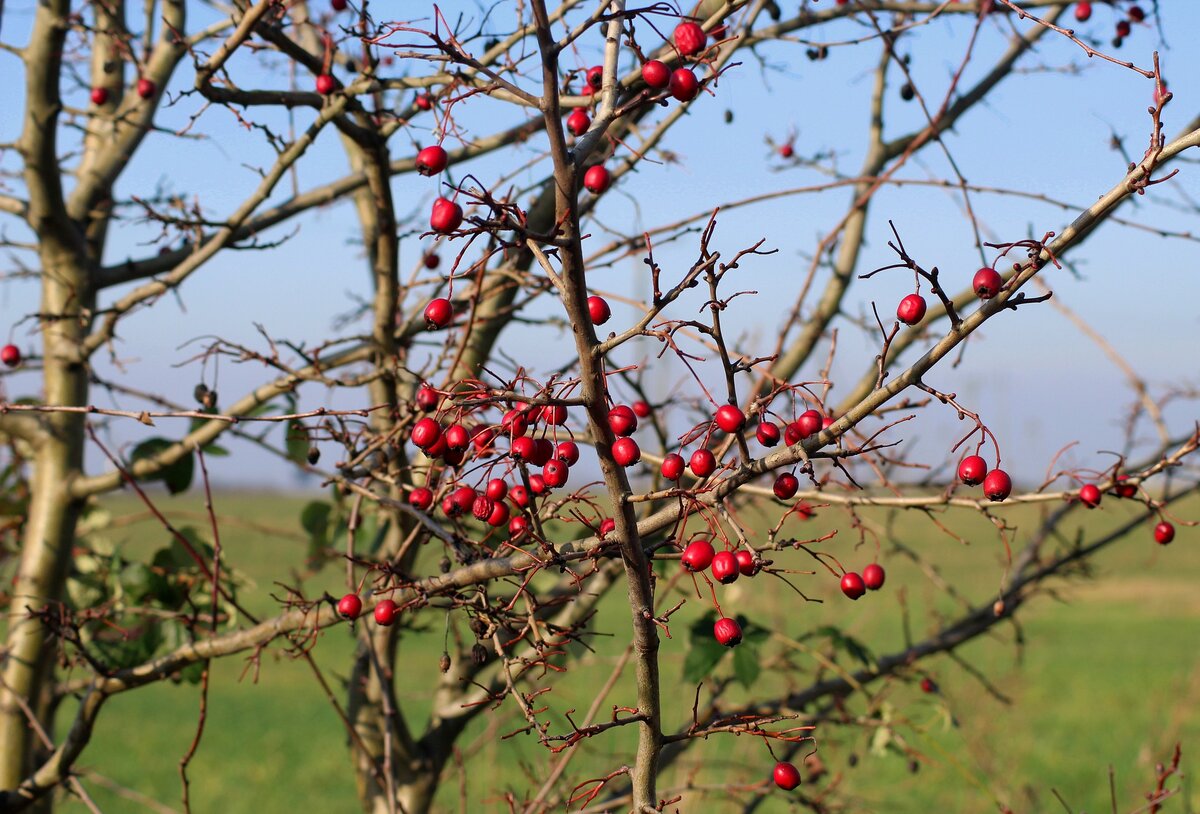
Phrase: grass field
{"type": "Point", "coordinates": [1109, 675]}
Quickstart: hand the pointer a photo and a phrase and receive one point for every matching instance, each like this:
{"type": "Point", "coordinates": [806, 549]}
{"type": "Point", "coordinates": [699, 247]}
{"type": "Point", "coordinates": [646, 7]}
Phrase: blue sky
{"type": "Point", "coordinates": [1039, 385]}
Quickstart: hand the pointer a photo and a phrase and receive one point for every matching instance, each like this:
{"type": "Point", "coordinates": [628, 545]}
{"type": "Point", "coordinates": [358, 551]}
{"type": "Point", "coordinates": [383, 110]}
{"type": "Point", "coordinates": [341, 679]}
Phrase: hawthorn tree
{"type": "Point", "coordinates": [462, 474]}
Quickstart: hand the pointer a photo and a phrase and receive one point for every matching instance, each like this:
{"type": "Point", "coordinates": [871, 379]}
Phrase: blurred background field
{"type": "Point", "coordinates": [1109, 676]}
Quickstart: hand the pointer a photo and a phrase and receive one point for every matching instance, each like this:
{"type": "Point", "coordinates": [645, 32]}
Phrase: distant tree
{"type": "Point", "coordinates": [459, 499]}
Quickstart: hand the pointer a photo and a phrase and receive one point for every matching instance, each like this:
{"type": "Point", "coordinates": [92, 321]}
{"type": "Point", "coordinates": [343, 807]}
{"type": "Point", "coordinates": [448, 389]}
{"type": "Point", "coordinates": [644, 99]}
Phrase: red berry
{"type": "Point", "coordinates": [431, 160]}
{"type": "Point", "coordinates": [1164, 533]}
{"type": "Point", "coordinates": [656, 74]}
{"type": "Point", "coordinates": [438, 313]}
{"type": "Point", "coordinates": [1124, 489]}
{"type": "Point", "coordinates": [626, 452]}
{"type": "Point", "coordinates": [1090, 495]}
{"type": "Point", "coordinates": [99, 96]}
{"type": "Point", "coordinates": [423, 102]}
{"type": "Point", "coordinates": [420, 498]}
{"type": "Point", "coordinates": [496, 489]}
{"type": "Point", "coordinates": [972, 470]}
{"type": "Point", "coordinates": [385, 612]}
{"type": "Point", "coordinates": [1123, 28]}
{"type": "Point", "coordinates": [520, 496]}
{"type": "Point", "coordinates": [515, 423]}
{"type": "Point", "coordinates": [702, 463]}
{"type": "Point", "coordinates": [1083, 11]}
{"type": "Point", "coordinates": [552, 414]}
{"type": "Point", "coordinates": [523, 448]}
{"type": "Point", "coordinates": [786, 776]}
{"type": "Point", "coordinates": [791, 433]}
{"type": "Point", "coordinates": [518, 526]}
{"type": "Point", "coordinates": [911, 309]}
{"type": "Point", "coordinates": [595, 77]}
{"type": "Point", "coordinates": [578, 122]}
{"type": "Point", "coordinates": [482, 437]}
{"type": "Point", "coordinates": [786, 150]}
{"type": "Point", "coordinates": [325, 85]}
{"type": "Point", "coordinates": [337, 5]}
{"type": "Point", "coordinates": [873, 576]}
{"type": "Point", "coordinates": [767, 434]}
{"type": "Point", "coordinates": [10, 355]}
{"type": "Point", "coordinates": [852, 585]}
{"type": "Point", "coordinates": [698, 555]}
{"type": "Point", "coordinates": [555, 472]}
{"type": "Point", "coordinates": [786, 486]}
{"type": "Point", "coordinates": [457, 437]}
{"type": "Point", "coordinates": [481, 507]}
{"type": "Point", "coordinates": [641, 409]}
{"type": "Point", "coordinates": [672, 466]}
{"type": "Point", "coordinates": [606, 525]}
{"type": "Point", "coordinates": [987, 283]}
{"type": "Point", "coordinates": [598, 310]}
{"type": "Point", "coordinates": [622, 420]}
{"type": "Point", "coordinates": [146, 88]}
{"type": "Point", "coordinates": [689, 38]}
{"type": "Point", "coordinates": [596, 179]}
{"type": "Point", "coordinates": [1136, 14]}
{"type": "Point", "coordinates": [725, 567]}
{"type": "Point", "coordinates": [499, 515]}
{"type": "Point", "coordinates": [543, 451]}
{"type": "Point", "coordinates": [684, 85]}
{"type": "Point", "coordinates": [431, 261]}
{"type": "Point", "coordinates": [809, 423]}
{"type": "Point", "coordinates": [427, 399]}
{"type": "Point", "coordinates": [425, 433]}
{"type": "Point", "coordinates": [747, 567]}
{"type": "Point", "coordinates": [928, 685]}
{"type": "Point", "coordinates": [728, 632]}
{"type": "Point", "coordinates": [730, 418]}
{"type": "Point", "coordinates": [349, 606]}
{"type": "Point", "coordinates": [997, 485]}
{"type": "Point", "coordinates": [446, 216]}
{"type": "Point", "coordinates": [568, 452]}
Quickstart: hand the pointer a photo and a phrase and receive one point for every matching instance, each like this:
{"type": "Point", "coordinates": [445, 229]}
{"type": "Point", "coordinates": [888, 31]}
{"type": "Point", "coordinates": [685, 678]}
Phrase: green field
{"type": "Point", "coordinates": [1109, 675]}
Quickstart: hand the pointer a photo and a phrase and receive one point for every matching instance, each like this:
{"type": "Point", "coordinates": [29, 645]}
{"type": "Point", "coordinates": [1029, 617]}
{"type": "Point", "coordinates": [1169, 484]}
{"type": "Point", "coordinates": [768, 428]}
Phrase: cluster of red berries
{"type": "Point", "coordinates": [855, 585]}
{"type": "Point", "coordinates": [145, 90]}
{"type": "Point", "coordinates": [726, 566]}
{"type": "Point", "coordinates": [1089, 495]}
{"type": "Point", "coordinates": [350, 606]}
{"type": "Point", "coordinates": [1134, 14]}
{"type": "Point", "coordinates": [972, 471]}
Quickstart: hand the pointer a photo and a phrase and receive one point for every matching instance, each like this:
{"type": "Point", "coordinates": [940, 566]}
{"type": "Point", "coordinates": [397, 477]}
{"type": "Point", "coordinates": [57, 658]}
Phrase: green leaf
{"type": "Point", "coordinates": [701, 658]}
{"type": "Point", "coordinates": [297, 442]}
{"type": "Point", "coordinates": [177, 476]}
{"type": "Point", "coordinates": [746, 665]}
{"type": "Point", "coordinates": [314, 519]}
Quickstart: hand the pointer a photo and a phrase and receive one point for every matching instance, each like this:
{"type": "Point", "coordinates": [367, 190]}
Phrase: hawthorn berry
{"type": "Point", "coordinates": [482, 507]}
{"type": "Point", "coordinates": [385, 612]}
{"type": "Point", "coordinates": [1089, 495]}
{"type": "Point", "coordinates": [463, 501]}
{"type": "Point", "coordinates": [543, 451]}
{"type": "Point", "coordinates": [457, 437]}
{"type": "Point", "coordinates": [873, 576]}
{"type": "Point", "coordinates": [747, 567]}
{"type": "Point", "coordinates": [420, 498]}
{"type": "Point", "coordinates": [997, 485]}
{"type": "Point", "coordinates": [641, 409]}
{"type": "Point", "coordinates": [606, 525]}
{"type": "Point", "coordinates": [767, 434]}
{"type": "Point", "coordinates": [987, 283]}
{"type": "Point", "coordinates": [99, 96]}
{"type": "Point", "coordinates": [725, 567]}
{"type": "Point", "coordinates": [518, 526]}
{"type": "Point", "coordinates": [431, 261]}
{"type": "Point", "coordinates": [349, 606]}
{"type": "Point", "coordinates": [325, 85]}
{"type": "Point", "coordinates": [596, 179]}
{"type": "Point", "coordinates": [911, 309]}
{"type": "Point", "coordinates": [787, 150]}
{"type": "Point", "coordinates": [928, 685]}
{"type": "Point", "coordinates": [520, 496]}
{"type": "Point", "coordinates": [424, 101]}
{"type": "Point", "coordinates": [809, 423]}
{"type": "Point", "coordinates": [515, 422]}
{"type": "Point", "coordinates": [656, 74]}
{"type": "Point", "coordinates": [1124, 489]}
{"type": "Point", "coordinates": [786, 776]}
{"type": "Point", "coordinates": [337, 5]}
{"type": "Point", "coordinates": [554, 414]}
{"type": "Point", "coordinates": [852, 585]}
{"type": "Point", "coordinates": [786, 486]}
{"type": "Point", "coordinates": [684, 85]}
{"type": "Point", "coordinates": [697, 555]}
{"type": "Point", "coordinates": [1164, 533]}
{"type": "Point", "coordinates": [568, 452]}
{"type": "Point", "coordinates": [578, 122]}
{"type": "Point", "coordinates": [438, 313]}
{"type": "Point", "coordinates": [626, 452]}
{"type": "Point", "coordinates": [598, 310]}
{"type": "Point", "coordinates": [972, 470]}
{"type": "Point", "coordinates": [10, 355]}
{"type": "Point", "coordinates": [1123, 28]}
{"type": "Point", "coordinates": [1083, 11]}
{"type": "Point", "coordinates": [146, 88]}
{"type": "Point", "coordinates": [499, 515]}
{"type": "Point", "coordinates": [595, 77]}
{"type": "Point", "coordinates": [496, 489]}
{"type": "Point", "coordinates": [523, 448]}
{"type": "Point", "coordinates": [427, 399]}
{"type": "Point", "coordinates": [729, 418]}
{"type": "Point", "coordinates": [431, 160]}
{"type": "Point", "coordinates": [446, 216]}
{"type": "Point", "coordinates": [728, 632]}
{"type": "Point", "coordinates": [1136, 14]}
{"type": "Point", "coordinates": [702, 463]}
{"type": "Point", "coordinates": [622, 420]}
{"type": "Point", "coordinates": [425, 433]}
{"type": "Point", "coordinates": [672, 466]}
{"type": "Point", "coordinates": [689, 38]}
{"type": "Point", "coordinates": [555, 472]}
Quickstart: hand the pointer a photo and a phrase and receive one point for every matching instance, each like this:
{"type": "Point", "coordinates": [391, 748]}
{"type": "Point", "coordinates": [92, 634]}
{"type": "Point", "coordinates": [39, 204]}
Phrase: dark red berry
{"type": "Point", "coordinates": [786, 776]}
{"type": "Point", "coordinates": [702, 463]}
{"type": "Point", "coordinates": [1123, 28]}
{"type": "Point", "coordinates": [325, 85]}
{"type": "Point", "coordinates": [672, 466]}
{"type": "Point", "coordinates": [596, 179]}
{"type": "Point", "coordinates": [928, 685]}
{"type": "Point", "coordinates": [595, 77]}
{"type": "Point", "coordinates": [728, 632]}
{"type": "Point", "coordinates": [684, 85]}
{"type": "Point", "coordinates": [809, 423]}
{"type": "Point", "coordinates": [568, 452]}
{"type": "Point", "coordinates": [1126, 490]}
{"type": "Point", "coordinates": [555, 472]}
{"type": "Point", "coordinates": [656, 74]}
{"type": "Point", "coordinates": [987, 283]}
{"type": "Point", "coordinates": [767, 434]}
{"type": "Point", "coordinates": [729, 418]}
{"type": "Point", "coordinates": [349, 606]}
{"type": "Point", "coordinates": [598, 310]}
{"type": "Point", "coordinates": [438, 313]}
{"type": "Point", "coordinates": [523, 448]}
{"type": "Point", "coordinates": [446, 216]}
{"type": "Point", "coordinates": [482, 507]}
{"type": "Point", "coordinates": [578, 122]}
{"type": "Point", "coordinates": [457, 437]}
{"type": "Point", "coordinates": [622, 420]}
{"type": "Point", "coordinates": [423, 102]}
{"type": "Point", "coordinates": [972, 470]}
{"type": "Point", "coordinates": [518, 526]}
{"type": "Point", "coordinates": [499, 515]}
{"type": "Point", "coordinates": [420, 498]}
{"type": "Point", "coordinates": [519, 495]}
{"type": "Point", "coordinates": [1089, 495]}
{"type": "Point", "coordinates": [1164, 533]}
{"type": "Point", "coordinates": [626, 452]}
{"type": "Point", "coordinates": [427, 399]}
{"type": "Point", "coordinates": [725, 567]}
{"type": "Point", "coordinates": [786, 486]}
{"type": "Point", "coordinates": [1083, 11]}
{"type": "Point", "coordinates": [873, 576]}
{"type": "Point", "coordinates": [1136, 14]}
{"type": "Point", "coordinates": [641, 409]}
{"type": "Point", "coordinates": [431, 160]}
{"type": "Point", "coordinates": [852, 585]}
{"type": "Point", "coordinates": [10, 355]}
{"type": "Point", "coordinates": [606, 525]}
{"type": "Point", "coordinates": [496, 489]}
{"type": "Point", "coordinates": [911, 309]}
{"type": "Point", "coordinates": [747, 567]}
{"type": "Point", "coordinates": [99, 96]}
{"type": "Point", "coordinates": [698, 555]}
{"type": "Point", "coordinates": [997, 485]}
{"type": "Point", "coordinates": [425, 433]}
{"type": "Point", "coordinates": [689, 38]}
{"type": "Point", "coordinates": [146, 88]}
{"type": "Point", "coordinates": [385, 612]}
{"type": "Point", "coordinates": [515, 423]}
